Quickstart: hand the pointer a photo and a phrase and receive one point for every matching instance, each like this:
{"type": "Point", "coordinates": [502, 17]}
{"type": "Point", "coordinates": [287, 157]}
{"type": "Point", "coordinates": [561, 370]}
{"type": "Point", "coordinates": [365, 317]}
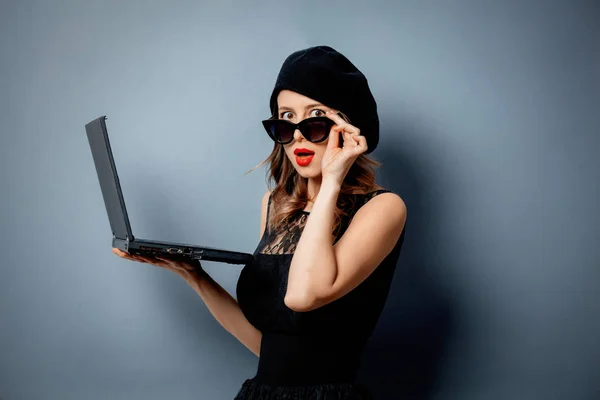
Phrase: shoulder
{"type": "Point", "coordinates": [265, 199]}
{"type": "Point", "coordinates": [264, 208]}
{"type": "Point", "coordinates": [383, 203]}
{"type": "Point", "coordinates": [263, 212]}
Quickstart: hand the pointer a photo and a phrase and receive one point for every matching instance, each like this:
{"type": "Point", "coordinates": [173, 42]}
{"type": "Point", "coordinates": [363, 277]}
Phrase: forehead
{"type": "Point", "coordinates": [290, 99]}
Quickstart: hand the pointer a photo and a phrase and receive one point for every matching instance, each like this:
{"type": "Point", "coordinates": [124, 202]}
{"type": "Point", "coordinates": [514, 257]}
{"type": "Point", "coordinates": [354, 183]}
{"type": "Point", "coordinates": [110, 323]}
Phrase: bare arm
{"type": "Point", "coordinates": [321, 272]}
{"type": "Point", "coordinates": [223, 306]}
{"type": "Point", "coordinates": [226, 310]}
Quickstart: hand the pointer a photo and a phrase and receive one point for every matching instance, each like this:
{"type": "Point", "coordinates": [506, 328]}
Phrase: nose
{"type": "Point", "coordinates": [298, 135]}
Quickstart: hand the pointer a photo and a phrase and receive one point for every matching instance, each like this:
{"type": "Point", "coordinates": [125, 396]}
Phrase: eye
{"type": "Point", "coordinates": [287, 115]}
{"type": "Point", "coordinates": [317, 113]}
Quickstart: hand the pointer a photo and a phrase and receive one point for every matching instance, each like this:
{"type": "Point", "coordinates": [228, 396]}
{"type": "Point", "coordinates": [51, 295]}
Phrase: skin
{"type": "Point", "coordinates": [295, 107]}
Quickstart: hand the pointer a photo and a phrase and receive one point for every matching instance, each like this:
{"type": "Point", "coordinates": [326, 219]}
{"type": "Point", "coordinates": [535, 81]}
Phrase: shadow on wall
{"type": "Point", "coordinates": [405, 353]}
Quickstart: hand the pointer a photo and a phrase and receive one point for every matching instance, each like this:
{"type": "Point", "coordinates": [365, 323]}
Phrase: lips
{"type": "Point", "coordinates": [303, 156]}
{"type": "Point", "coordinates": [304, 152]}
{"type": "Point", "coordinates": [303, 161]}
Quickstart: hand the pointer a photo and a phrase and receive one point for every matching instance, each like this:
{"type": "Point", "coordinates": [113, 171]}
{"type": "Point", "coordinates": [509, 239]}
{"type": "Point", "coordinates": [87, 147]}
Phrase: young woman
{"type": "Point", "coordinates": [330, 238]}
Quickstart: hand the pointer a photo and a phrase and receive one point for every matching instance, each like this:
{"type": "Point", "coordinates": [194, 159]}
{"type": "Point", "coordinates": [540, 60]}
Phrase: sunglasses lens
{"type": "Point", "coordinates": [280, 131]}
{"type": "Point", "coordinates": [316, 130]}
{"type": "Point", "coordinates": [285, 132]}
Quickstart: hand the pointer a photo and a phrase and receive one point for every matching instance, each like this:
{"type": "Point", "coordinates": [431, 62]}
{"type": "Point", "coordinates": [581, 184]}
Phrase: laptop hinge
{"type": "Point", "coordinates": [122, 243]}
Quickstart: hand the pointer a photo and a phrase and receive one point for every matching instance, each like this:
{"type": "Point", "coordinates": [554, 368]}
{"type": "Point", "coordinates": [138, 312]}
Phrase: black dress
{"type": "Point", "coordinates": [315, 354]}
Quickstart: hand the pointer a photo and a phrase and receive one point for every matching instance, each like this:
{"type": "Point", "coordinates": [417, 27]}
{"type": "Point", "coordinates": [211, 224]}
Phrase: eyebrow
{"type": "Point", "coordinates": [313, 105]}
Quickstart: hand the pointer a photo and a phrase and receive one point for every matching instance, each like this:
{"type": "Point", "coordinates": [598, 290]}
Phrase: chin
{"type": "Point", "coordinates": [311, 171]}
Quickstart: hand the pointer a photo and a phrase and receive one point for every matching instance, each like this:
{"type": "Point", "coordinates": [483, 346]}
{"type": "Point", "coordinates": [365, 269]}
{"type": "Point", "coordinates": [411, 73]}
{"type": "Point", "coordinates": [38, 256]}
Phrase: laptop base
{"type": "Point", "coordinates": [179, 250]}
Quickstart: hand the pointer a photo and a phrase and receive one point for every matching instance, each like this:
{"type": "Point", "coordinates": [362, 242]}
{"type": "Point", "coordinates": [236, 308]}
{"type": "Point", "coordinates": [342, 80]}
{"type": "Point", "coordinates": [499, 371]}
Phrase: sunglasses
{"type": "Point", "coordinates": [314, 129]}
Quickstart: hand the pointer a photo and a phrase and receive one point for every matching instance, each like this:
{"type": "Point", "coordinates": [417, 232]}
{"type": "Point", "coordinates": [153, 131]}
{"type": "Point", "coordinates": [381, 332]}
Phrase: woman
{"type": "Point", "coordinates": [330, 238]}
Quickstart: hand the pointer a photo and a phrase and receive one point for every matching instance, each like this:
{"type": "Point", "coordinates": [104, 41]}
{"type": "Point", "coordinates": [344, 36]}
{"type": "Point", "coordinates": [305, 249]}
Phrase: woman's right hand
{"type": "Point", "coordinates": [185, 268]}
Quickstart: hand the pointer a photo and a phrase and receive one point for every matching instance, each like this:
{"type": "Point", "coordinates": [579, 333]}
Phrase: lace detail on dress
{"type": "Point", "coordinates": [254, 390]}
{"type": "Point", "coordinates": [285, 239]}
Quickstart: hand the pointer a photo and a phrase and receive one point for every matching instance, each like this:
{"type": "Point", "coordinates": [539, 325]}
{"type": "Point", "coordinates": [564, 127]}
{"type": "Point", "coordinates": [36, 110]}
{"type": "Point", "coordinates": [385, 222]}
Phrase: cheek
{"type": "Point", "coordinates": [320, 150]}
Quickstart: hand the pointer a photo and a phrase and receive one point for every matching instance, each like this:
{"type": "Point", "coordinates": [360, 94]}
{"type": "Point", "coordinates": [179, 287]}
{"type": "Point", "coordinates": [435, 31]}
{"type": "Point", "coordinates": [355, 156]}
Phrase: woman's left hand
{"type": "Point", "coordinates": [337, 160]}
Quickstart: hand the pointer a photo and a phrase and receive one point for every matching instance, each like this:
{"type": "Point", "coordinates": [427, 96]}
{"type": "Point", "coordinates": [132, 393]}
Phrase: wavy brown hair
{"type": "Point", "coordinates": [289, 190]}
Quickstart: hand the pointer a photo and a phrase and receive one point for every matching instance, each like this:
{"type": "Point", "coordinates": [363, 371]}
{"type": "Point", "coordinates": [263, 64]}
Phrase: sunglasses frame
{"type": "Point", "coordinates": [267, 123]}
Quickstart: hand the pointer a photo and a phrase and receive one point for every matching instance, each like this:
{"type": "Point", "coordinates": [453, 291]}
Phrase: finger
{"type": "Point", "coordinates": [144, 259]}
{"type": "Point", "coordinates": [350, 140]}
{"type": "Point", "coordinates": [165, 261]}
{"type": "Point", "coordinates": [342, 124]}
{"type": "Point", "coordinates": [345, 138]}
{"type": "Point", "coordinates": [334, 138]}
{"type": "Point", "coordinates": [335, 117]}
{"type": "Point", "coordinates": [361, 144]}
{"type": "Point", "coordinates": [184, 265]}
{"type": "Point", "coordinates": [141, 259]}
{"type": "Point", "coordinates": [174, 266]}
{"type": "Point", "coordinates": [119, 252]}
{"type": "Point", "coordinates": [124, 255]}
{"type": "Point", "coordinates": [158, 262]}
{"type": "Point", "coordinates": [362, 141]}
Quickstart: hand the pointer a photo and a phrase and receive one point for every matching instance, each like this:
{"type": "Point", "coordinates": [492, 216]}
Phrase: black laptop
{"type": "Point", "coordinates": [123, 238]}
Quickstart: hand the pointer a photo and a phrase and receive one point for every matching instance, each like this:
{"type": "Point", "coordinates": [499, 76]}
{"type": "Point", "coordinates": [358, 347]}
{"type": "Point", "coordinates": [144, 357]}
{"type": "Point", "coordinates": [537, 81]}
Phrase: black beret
{"type": "Point", "coordinates": [327, 76]}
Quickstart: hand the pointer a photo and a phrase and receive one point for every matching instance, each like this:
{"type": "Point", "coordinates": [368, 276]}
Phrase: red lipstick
{"type": "Point", "coordinates": [303, 156]}
{"type": "Point", "coordinates": [300, 150]}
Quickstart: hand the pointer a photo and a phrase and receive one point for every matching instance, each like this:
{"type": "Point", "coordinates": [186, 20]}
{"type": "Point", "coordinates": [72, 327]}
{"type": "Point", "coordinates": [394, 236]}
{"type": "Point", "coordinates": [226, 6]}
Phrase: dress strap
{"type": "Point", "coordinates": [268, 219]}
{"type": "Point", "coordinates": [370, 195]}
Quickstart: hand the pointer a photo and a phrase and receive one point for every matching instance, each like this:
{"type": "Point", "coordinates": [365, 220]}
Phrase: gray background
{"type": "Point", "coordinates": [490, 124]}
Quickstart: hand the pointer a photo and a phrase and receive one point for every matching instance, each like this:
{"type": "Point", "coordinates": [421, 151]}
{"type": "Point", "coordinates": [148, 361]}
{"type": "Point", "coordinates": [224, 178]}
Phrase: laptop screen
{"type": "Point", "coordinates": [109, 180]}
